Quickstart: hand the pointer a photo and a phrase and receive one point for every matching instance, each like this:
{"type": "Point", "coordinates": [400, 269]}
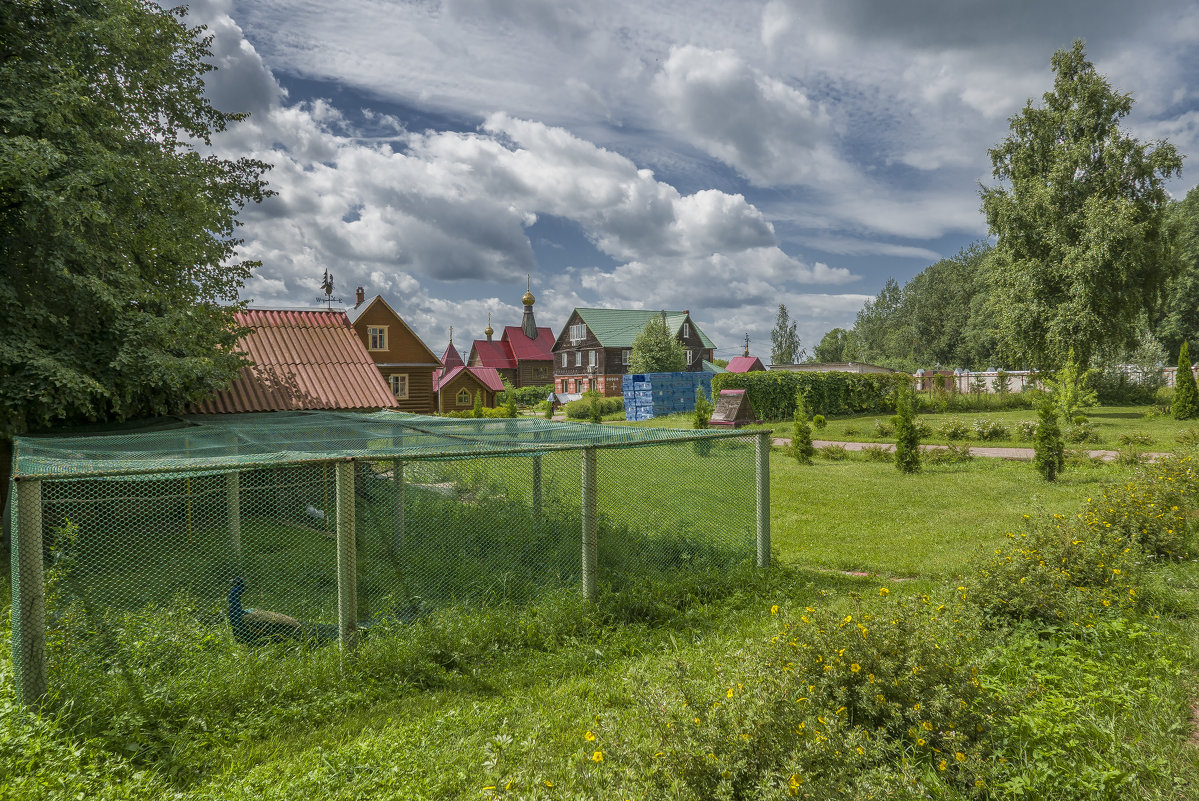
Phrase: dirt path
{"type": "Point", "coordinates": [1022, 454]}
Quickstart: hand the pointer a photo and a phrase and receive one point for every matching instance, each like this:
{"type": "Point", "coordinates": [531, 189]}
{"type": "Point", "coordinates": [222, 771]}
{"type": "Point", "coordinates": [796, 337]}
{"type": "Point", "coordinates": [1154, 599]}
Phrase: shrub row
{"type": "Point", "coordinates": [581, 409]}
{"type": "Point", "coordinates": [772, 393]}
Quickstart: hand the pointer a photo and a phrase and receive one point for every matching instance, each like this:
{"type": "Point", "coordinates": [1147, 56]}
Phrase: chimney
{"type": "Point", "coordinates": [359, 296]}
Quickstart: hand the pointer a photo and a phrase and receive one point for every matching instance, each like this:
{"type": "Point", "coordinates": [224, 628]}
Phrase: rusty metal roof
{"type": "Point", "coordinates": [301, 360]}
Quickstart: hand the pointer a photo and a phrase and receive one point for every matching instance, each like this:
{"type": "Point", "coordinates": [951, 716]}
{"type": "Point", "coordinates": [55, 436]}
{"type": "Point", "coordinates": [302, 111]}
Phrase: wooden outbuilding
{"type": "Point", "coordinates": [405, 362]}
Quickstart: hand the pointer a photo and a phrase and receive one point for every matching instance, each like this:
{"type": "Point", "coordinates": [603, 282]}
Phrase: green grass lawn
{"type": "Point", "coordinates": [459, 705]}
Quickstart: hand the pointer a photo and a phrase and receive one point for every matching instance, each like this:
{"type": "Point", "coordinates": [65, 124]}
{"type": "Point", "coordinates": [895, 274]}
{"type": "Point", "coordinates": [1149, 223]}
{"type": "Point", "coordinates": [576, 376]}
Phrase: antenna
{"type": "Point", "coordinates": [327, 288]}
{"type": "Point", "coordinates": [747, 343]}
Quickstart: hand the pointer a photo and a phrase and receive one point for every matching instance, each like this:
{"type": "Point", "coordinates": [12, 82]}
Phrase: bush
{"type": "Point", "coordinates": [953, 428]}
{"type": "Point", "coordinates": [834, 453]}
{"type": "Point", "coordinates": [1188, 437]}
{"type": "Point", "coordinates": [772, 393]}
{"type": "Point", "coordinates": [1049, 457]}
{"type": "Point", "coordinates": [801, 439]}
{"type": "Point", "coordinates": [852, 431]}
{"type": "Point", "coordinates": [483, 412]}
{"type": "Point", "coordinates": [1026, 430]}
{"type": "Point", "coordinates": [950, 454]}
{"type": "Point", "coordinates": [907, 441]}
{"type": "Point", "coordinates": [581, 409]}
{"type": "Point", "coordinates": [526, 397]}
{"type": "Point", "coordinates": [819, 422]}
{"type": "Point", "coordinates": [923, 429]}
{"type": "Point", "coordinates": [989, 430]}
{"type": "Point", "coordinates": [1082, 432]}
{"type": "Point", "coordinates": [883, 429]}
{"type": "Point", "coordinates": [877, 453]}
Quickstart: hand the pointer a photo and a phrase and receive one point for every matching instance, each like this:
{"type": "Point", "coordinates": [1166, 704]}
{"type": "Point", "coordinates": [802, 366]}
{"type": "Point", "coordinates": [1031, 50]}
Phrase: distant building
{"type": "Point", "coordinates": [593, 350]}
{"type": "Point", "coordinates": [745, 364]}
{"type": "Point", "coordinates": [523, 354]}
{"type": "Point", "coordinates": [301, 360]}
{"type": "Point", "coordinates": [405, 362]}
{"type": "Point", "coordinates": [456, 384]}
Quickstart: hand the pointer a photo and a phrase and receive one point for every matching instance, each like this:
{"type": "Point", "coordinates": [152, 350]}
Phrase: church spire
{"type": "Point", "coordinates": [528, 325]}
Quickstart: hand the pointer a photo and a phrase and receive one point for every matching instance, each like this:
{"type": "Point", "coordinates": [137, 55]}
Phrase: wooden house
{"type": "Point", "coordinates": [456, 384]}
{"type": "Point", "coordinates": [745, 364]}
{"type": "Point", "coordinates": [405, 362]}
{"type": "Point", "coordinates": [593, 350]}
{"type": "Point", "coordinates": [523, 354]}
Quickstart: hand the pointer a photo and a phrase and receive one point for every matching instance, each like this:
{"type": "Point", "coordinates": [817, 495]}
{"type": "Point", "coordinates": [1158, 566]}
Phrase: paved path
{"type": "Point", "coordinates": [1024, 454]}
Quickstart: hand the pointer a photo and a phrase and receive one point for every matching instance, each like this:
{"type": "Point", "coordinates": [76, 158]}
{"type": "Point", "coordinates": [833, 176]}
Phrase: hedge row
{"type": "Point", "coordinates": [581, 409]}
{"type": "Point", "coordinates": [773, 393]}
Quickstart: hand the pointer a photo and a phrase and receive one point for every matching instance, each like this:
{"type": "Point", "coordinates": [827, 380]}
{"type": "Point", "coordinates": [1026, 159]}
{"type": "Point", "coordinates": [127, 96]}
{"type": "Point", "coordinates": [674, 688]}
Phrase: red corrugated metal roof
{"type": "Point", "coordinates": [301, 360]}
{"type": "Point", "coordinates": [745, 364]}
{"type": "Point", "coordinates": [451, 358]}
{"type": "Point", "coordinates": [494, 354]}
{"type": "Point", "coordinates": [525, 349]}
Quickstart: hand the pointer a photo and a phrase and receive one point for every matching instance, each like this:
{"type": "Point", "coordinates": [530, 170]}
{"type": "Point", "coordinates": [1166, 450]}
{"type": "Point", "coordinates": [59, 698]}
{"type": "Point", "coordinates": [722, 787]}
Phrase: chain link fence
{"type": "Point", "coordinates": [321, 528]}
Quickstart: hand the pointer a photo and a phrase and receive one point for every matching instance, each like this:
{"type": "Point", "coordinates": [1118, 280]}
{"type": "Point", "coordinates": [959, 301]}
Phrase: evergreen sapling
{"type": "Point", "coordinates": [1186, 399]}
{"type": "Point", "coordinates": [1049, 449]}
{"type": "Point", "coordinates": [907, 437]}
{"type": "Point", "coordinates": [801, 441]}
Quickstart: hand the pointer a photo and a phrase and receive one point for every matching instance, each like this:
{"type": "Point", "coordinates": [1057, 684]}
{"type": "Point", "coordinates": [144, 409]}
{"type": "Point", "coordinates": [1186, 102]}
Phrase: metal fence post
{"type": "Point", "coordinates": [537, 487]}
{"type": "Point", "coordinates": [29, 610]}
{"type": "Point", "coordinates": [347, 574]}
{"type": "Point", "coordinates": [397, 516]}
{"type": "Point", "coordinates": [589, 510]}
{"type": "Point", "coordinates": [233, 495]}
{"type": "Point", "coordinates": [762, 485]}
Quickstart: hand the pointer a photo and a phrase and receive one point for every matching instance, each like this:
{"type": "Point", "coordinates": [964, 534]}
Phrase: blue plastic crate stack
{"type": "Point", "coordinates": [649, 395]}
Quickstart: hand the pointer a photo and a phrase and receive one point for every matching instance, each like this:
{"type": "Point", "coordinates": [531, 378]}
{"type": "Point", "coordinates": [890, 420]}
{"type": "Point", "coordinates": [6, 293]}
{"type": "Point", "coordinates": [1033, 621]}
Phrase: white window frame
{"type": "Point", "coordinates": [592, 358]}
{"type": "Point", "coordinates": [376, 337]}
{"type": "Point", "coordinates": [624, 356]}
{"type": "Point", "coordinates": [578, 358]}
{"type": "Point", "coordinates": [565, 356]}
{"type": "Point", "coordinates": [578, 332]}
{"type": "Point", "coordinates": [399, 385]}
{"type": "Point", "coordinates": [690, 356]}
{"type": "Point", "coordinates": [686, 330]}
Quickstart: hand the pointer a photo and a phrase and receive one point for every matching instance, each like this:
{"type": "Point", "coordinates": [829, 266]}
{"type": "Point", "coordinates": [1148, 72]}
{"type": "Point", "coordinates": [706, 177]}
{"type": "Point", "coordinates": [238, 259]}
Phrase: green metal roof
{"type": "Point", "coordinates": [617, 328]}
{"type": "Point", "coordinates": [713, 368]}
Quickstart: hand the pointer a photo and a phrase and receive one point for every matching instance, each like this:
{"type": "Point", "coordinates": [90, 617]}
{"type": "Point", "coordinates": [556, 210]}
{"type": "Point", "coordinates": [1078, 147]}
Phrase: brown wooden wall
{"type": "Point", "coordinates": [405, 349]}
{"type": "Point", "coordinates": [449, 393]}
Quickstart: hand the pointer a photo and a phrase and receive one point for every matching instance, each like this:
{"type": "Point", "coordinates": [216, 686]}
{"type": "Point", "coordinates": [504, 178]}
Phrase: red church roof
{"type": "Point", "coordinates": [493, 354]}
{"type": "Point", "coordinates": [525, 349]}
{"type": "Point", "coordinates": [451, 358]}
{"type": "Point", "coordinates": [487, 376]}
{"type": "Point", "coordinates": [745, 364]}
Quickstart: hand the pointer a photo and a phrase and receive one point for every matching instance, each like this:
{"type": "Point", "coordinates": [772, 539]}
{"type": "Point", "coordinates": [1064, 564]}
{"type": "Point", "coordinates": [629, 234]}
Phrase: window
{"type": "Point", "coordinates": [591, 384]}
{"type": "Point", "coordinates": [376, 336]}
{"type": "Point", "coordinates": [578, 332]}
{"type": "Point", "coordinates": [593, 357]}
{"type": "Point", "coordinates": [690, 356]}
{"type": "Point", "coordinates": [574, 386]}
{"type": "Point", "coordinates": [399, 385]}
{"type": "Point", "coordinates": [564, 355]}
{"type": "Point", "coordinates": [686, 330]}
{"type": "Point", "coordinates": [624, 356]}
{"type": "Point", "coordinates": [541, 372]}
{"type": "Point", "coordinates": [464, 397]}
{"type": "Point", "coordinates": [578, 358]}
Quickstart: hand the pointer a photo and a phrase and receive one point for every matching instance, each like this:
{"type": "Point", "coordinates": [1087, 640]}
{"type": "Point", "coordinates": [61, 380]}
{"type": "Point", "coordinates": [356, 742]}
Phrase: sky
{"type": "Point", "coordinates": [720, 157]}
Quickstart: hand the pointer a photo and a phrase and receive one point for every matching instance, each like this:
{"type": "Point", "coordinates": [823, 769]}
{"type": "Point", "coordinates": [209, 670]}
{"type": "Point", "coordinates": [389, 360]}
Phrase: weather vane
{"type": "Point", "coordinates": [327, 288]}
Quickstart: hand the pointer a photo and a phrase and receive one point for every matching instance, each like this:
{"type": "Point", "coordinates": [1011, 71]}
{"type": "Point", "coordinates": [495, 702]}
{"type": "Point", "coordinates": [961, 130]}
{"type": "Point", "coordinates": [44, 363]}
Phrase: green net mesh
{"type": "Point", "coordinates": [230, 527]}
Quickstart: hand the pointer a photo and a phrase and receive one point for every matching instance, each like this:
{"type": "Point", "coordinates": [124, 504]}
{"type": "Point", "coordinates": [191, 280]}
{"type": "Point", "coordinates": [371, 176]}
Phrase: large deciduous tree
{"type": "Point", "coordinates": [1081, 248]}
{"type": "Point", "coordinates": [1180, 310]}
{"type": "Point", "coordinates": [784, 341]}
{"type": "Point", "coordinates": [117, 227]}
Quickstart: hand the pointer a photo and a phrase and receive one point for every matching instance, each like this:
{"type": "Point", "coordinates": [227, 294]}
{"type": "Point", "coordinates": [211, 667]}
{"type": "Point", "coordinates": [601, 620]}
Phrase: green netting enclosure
{"type": "Point", "coordinates": [323, 526]}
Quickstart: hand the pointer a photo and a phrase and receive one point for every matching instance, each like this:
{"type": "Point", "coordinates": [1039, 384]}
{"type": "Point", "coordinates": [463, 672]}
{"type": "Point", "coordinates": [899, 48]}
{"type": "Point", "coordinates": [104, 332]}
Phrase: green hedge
{"type": "Point", "coordinates": [772, 393]}
{"type": "Point", "coordinates": [581, 409]}
{"type": "Point", "coordinates": [525, 396]}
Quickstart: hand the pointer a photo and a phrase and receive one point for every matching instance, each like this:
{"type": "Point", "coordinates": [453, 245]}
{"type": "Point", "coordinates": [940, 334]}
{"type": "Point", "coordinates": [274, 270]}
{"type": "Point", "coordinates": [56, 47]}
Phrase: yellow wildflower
{"type": "Point", "coordinates": [598, 756]}
{"type": "Point", "coordinates": [774, 610]}
{"type": "Point", "coordinates": [855, 667]}
{"type": "Point", "coordinates": [589, 737]}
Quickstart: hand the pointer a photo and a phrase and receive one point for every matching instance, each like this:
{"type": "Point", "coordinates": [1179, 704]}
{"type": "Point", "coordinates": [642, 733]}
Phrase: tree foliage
{"type": "Point", "coordinates": [1185, 405]}
{"type": "Point", "coordinates": [1082, 248]}
{"type": "Point", "coordinates": [784, 341]}
{"type": "Point", "coordinates": [837, 345]}
{"type": "Point", "coordinates": [1179, 316]}
{"type": "Point", "coordinates": [940, 317]}
{"type": "Point", "coordinates": [703, 409]}
{"type": "Point", "coordinates": [117, 232]}
{"type": "Point", "coordinates": [907, 437]}
{"type": "Point", "coordinates": [655, 350]}
{"type": "Point", "coordinates": [1071, 387]}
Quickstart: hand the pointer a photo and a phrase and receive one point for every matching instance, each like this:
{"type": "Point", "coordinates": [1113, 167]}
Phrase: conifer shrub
{"type": "Point", "coordinates": [819, 422]}
{"type": "Point", "coordinates": [1049, 450]}
{"type": "Point", "coordinates": [1185, 405]}
{"type": "Point", "coordinates": [801, 440]}
{"type": "Point", "coordinates": [907, 441]}
{"type": "Point", "coordinates": [703, 409]}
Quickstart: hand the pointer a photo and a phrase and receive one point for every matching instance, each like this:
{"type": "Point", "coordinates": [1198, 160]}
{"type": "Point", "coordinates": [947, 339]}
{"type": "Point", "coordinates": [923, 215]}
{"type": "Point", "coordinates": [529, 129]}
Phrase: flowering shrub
{"type": "Point", "coordinates": [950, 454]}
{"type": "Point", "coordinates": [1081, 432]}
{"type": "Point", "coordinates": [1026, 430]}
{"type": "Point", "coordinates": [989, 429]}
{"type": "Point", "coordinates": [883, 428]}
{"type": "Point", "coordinates": [953, 428]}
{"type": "Point", "coordinates": [835, 705]}
{"type": "Point", "coordinates": [877, 453]}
